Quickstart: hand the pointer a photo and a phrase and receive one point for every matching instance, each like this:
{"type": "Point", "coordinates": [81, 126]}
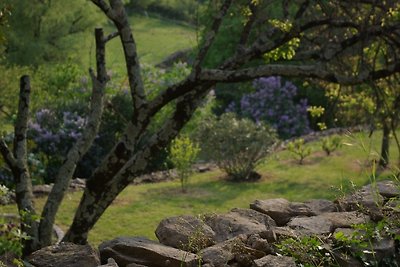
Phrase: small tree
{"type": "Point", "coordinates": [299, 150]}
{"type": "Point", "coordinates": [236, 145]}
{"type": "Point", "coordinates": [183, 153]}
{"type": "Point", "coordinates": [330, 144]}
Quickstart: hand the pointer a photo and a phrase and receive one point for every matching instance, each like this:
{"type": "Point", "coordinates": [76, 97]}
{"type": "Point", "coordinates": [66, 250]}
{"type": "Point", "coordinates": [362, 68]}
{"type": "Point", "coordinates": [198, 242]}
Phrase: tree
{"type": "Point", "coordinates": [320, 36]}
{"type": "Point", "coordinates": [38, 32]}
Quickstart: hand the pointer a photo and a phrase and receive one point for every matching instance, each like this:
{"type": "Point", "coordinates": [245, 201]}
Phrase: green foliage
{"type": "Point", "coordinates": [307, 251]}
{"type": "Point", "coordinates": [236, 145]}
{"type": "Point", "coordinates": [183, 153]}
{"type": "Point", "coordinates": [11, 236]}
{"type": "Point", "coordinates": [359, 243]}
{"type": "Point", "coordinates": [38, 33]}
{"type": "Point", "coordinates": [299, 150]}
{"type": "Point", "coordinates": [330, 144]}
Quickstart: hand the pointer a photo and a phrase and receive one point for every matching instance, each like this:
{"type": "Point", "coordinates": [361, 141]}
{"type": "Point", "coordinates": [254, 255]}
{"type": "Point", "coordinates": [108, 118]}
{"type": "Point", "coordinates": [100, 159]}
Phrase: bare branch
{"type": "Point", "coordinates": [7, 154]}
{"type": "Point", "coordinates": [82, 145]}
{"type": "Point", "coordinates": [110, 36]}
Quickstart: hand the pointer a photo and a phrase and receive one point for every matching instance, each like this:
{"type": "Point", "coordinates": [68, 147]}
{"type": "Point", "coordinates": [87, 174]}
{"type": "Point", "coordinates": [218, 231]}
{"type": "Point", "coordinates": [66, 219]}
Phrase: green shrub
{"type": "Point", "coordinates": [236, 145]}
{"type": "Point", "coordinates": [299, 150]}
{"type": "Point", "coordinates": [330, 144]}
{"type": "Point", "coordinates": [183, 153]}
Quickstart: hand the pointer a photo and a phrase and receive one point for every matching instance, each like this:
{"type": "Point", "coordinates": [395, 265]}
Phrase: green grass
{"type": "Point", "coordinates": [138, 209]}
{"type": "Point", "coordinates": [155, 39]}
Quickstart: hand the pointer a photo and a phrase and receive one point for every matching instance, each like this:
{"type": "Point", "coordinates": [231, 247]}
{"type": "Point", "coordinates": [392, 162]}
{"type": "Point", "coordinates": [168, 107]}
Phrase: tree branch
{"type": "Point", "coordinates": [210, 37]}
{"type": "Point", "coordinates": [80, 148]}
{"type": "Point", "coordinates": [309, 71]}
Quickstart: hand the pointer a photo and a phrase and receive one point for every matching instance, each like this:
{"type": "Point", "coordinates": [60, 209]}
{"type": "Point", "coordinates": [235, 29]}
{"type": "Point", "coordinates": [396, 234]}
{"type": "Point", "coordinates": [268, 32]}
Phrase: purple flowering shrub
{"type": "Point", "coordinates": [54, 133]}
{"type": "Point", "coordinates": [273, 103]}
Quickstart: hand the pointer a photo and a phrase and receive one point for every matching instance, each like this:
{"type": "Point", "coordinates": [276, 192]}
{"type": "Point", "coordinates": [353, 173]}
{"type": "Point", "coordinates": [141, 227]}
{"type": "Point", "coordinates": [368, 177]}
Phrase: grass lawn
{"type": "Point", "coordinates": [155, 39]}
{"type": "Point", "coordinates": [138, 209]}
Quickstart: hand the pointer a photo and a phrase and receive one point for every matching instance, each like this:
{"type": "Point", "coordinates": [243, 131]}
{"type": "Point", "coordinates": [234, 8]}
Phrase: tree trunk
{"type": "Point", "coordinates": [384, 159]}
{"type": "Point", "coordinates": [97, 198]}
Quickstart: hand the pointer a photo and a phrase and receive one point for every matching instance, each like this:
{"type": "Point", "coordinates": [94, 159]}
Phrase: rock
{"type": "Point", "coordinates": [387, 189]}
{"type": "Point", "coordinates": [319, 206]}
{"type": "Point", "coordinates": [281, 210]}
{"type": "Point", "coordinates": [345, 260]}
{"type": "Point", "coordinates": [219, 254]}
{"type": "Point", "coordinates": [42, 190]}
{"type": "Point", "coordinates": [315, 225]}
{"type": "Point", "coordinates": [65, 254]}
{"type": "Point", "coordinates": [77, 184]}
{"type": "Point", "coordinates": [275, 261]}
{"type": "Point", "coordinates": [228, 251]}
{"type": "Point", "coordinates": [135, 265]}
{"type": "Point", "coordinates": [345, 219]}
{"type": "Point", "coordinates": [179, 231]}
{"type": "Point", "coordinates": [110, 263]}
{"type": "Point", "coordinates": [237, 222]}
{"type": "Point", "coordinates": [139, 250]}
{"type": "Point", "coordinates": [256, 242]}
{"type": "Point", "coordinates": [366, 200]}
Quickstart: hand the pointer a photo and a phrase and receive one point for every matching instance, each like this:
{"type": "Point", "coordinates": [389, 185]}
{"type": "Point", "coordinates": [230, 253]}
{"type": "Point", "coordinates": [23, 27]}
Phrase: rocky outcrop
{"type": "Point", "coordinates": [248, 237]}
{"type": "Point", "coordinates": [65, 254]}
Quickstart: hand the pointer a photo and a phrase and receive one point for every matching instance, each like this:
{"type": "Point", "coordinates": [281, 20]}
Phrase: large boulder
{"type": "Point", "coordinates": [139, 250]}
{"type": "Point", "coordinates": [65, 254]}
{"type": "Point", "coordinates": [185, 232]}
{"type": "Point", "coordinates": [281, 210]}
{"type": "Point", "coordinates": [237, 222]}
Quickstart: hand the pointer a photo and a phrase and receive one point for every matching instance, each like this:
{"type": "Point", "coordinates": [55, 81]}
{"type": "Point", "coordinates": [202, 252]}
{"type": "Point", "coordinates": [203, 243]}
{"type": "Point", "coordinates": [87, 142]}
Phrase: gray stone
{"type": "Point", "coordinates": [345, 219]}
{"type": "Point", "coordinates": [344, 260]}
{"type": "Point", "coordinates": [237, 222]}
{"type": "Point", "coordinates": [319, 206]}
{"type": "Point", "coordinates": [366, 200]}
{"type": "Point", "coordinates": [256, 242]}
{"type": "Point", "coordinates": [42, 190]}
{"type": "Point", "coordinates": [110, 263]}
{"type": "Point", "coordinates": [185, 232]}
{"type": "Point", "coordinates": [314, 225]}
{"type": "Point", "coordinates": [387, 189]}
{"type": "Point", "coordinates": [229, 250]}
{"type": "Point", "coordinates": [281, 210]}
{"type": "Point", "coordinates": [275, 261]}
{"type": "Point", "coordinates": [139, 250]}
{"type": "Point", "coordinates": [65, 254]}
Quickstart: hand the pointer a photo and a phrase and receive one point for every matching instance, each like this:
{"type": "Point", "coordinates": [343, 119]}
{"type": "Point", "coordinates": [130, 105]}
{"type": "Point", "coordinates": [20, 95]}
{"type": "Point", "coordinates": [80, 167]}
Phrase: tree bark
{"type": "Point", "coordinates": [80, 148]}
{"type": "Point", "coordinates": [96, 200]}
{"type": "Point", "coordinates": [384, 158]}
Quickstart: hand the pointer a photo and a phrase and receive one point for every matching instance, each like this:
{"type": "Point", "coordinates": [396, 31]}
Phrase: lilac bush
{"type": "Point", "coordinates": [54, 133]}
{"type": "Point", "coordinates": [273, 103]}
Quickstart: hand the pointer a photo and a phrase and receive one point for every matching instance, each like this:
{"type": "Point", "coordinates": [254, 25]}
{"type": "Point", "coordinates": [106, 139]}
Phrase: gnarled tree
{"type": "Point", "coordinates": [294, 38]}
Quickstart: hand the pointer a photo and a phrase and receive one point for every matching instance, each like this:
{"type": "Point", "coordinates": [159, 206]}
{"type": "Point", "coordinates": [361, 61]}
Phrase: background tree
{"type": "Point", "coordinates": [318, 37]}
{"type": "Point", "coordinates": [38, 32]}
